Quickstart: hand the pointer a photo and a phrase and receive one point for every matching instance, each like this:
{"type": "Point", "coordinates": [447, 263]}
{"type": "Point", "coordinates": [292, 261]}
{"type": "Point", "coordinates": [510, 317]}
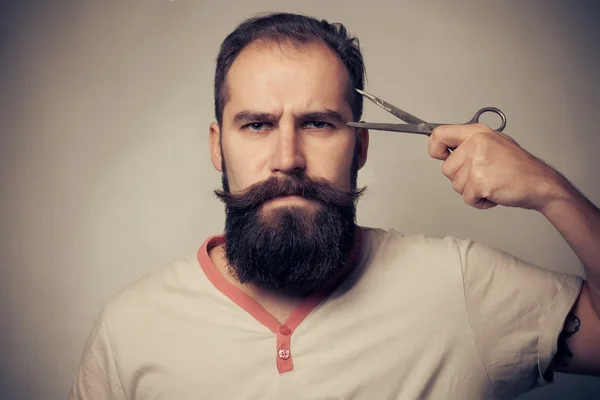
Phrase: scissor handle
{"type": "Point", "coordinates": [492, 110]}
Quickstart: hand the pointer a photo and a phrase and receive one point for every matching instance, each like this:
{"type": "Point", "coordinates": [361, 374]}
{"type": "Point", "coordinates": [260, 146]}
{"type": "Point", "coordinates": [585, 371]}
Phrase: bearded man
{"type": "Point", "coordinates": [295, 300]}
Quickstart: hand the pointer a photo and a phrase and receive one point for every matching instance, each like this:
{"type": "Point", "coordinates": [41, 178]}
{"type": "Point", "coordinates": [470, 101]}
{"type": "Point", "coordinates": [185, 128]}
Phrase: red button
{"type": "Point", "coordinates": [284, 354]}
{"type": "Point", "coordinates": [285, 330]}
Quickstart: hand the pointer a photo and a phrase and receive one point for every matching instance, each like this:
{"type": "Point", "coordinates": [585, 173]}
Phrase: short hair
{"type": "Point", "coordinates": [297, 29]}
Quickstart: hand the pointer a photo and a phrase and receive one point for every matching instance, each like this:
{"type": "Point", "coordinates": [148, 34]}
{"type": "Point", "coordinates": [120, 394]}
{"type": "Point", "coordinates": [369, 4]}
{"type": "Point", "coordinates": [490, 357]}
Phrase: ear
{"type": "Point", "coordinates": [363, 146]}
{"type": "Point", "coordinates": [215, 146]}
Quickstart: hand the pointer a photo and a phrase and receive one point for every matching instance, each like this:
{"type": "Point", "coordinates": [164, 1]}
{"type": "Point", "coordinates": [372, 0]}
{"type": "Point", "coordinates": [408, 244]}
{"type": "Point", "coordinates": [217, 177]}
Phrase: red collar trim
{"type": "Point", "coordinates": [256, 310]}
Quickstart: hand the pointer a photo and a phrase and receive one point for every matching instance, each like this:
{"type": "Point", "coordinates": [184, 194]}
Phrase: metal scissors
{"type": "Point", "coordinates": [414, 124]}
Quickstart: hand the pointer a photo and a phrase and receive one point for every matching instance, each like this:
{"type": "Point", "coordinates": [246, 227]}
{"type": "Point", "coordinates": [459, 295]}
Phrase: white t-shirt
{"type": "Point", "coordinates": [417, 318]}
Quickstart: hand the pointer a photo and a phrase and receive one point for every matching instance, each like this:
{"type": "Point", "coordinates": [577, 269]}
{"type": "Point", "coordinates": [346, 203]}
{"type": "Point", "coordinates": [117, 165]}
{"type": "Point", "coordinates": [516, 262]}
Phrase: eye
{"type": "Point", "coordinates": [318, 125]}
{"type": "Point", "coordinates": [256, 126]}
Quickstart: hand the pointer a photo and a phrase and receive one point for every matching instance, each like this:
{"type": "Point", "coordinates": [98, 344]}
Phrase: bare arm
{"type": "Point", "coordinates": [578, 350]}
{"type": "Point", "coordinates": [578, 221]}
{"type": "Point", "coordinates": [489, 168]}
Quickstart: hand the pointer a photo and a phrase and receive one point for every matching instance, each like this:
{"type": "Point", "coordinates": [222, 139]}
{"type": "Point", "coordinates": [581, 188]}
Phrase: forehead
{"type": "Point", "coordinates": [274, 77]}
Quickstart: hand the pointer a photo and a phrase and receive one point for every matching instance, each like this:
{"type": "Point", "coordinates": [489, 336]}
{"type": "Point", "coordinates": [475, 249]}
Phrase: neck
{"type": "Point", "coordinates": [278, 304]}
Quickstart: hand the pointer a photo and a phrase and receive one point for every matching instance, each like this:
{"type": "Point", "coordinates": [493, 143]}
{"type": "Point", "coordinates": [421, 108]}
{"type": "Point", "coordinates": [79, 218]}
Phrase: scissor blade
{"type": "Point", "coordinates": [422, 128]}
{"type": "Point", "coordinates": [403, 115]}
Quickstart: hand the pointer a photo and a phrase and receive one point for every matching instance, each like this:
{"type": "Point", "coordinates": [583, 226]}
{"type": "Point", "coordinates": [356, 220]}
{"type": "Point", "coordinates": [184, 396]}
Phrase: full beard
{"type": "Point", "coordinates": [289, 248]}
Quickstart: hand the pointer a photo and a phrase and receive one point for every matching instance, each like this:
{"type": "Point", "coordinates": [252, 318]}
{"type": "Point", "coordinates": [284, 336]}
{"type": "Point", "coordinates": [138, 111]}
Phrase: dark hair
{"type": "Point", "coordinates": [297, 29]}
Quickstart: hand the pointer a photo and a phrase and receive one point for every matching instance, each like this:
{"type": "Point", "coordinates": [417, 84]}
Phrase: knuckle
{"type": "Point", "coordinates": [431, 147]}
{"type": "Point", "coordinates": [480, 140]}
{"type": "Point", "coordinates": [478, 160]}
{"type": "Point", "coordinates": [483, 127]}
{"type": "Point", "coordinates": [485, 190]}
{"type": "Point", "coordinates": [439, 131]}
{"type": "Point", "coordinates": [478, 137]}
{"type": "Point", "coordinates": [467, 198]}
{"type": "Point", "coordinates": [456, 186]}
{"type": "Point", "coordinates": [446, 169]}
{"type": "Point", "coordinates": [478, 175]}
{"type": "Point", "coordinates": [480, 127]}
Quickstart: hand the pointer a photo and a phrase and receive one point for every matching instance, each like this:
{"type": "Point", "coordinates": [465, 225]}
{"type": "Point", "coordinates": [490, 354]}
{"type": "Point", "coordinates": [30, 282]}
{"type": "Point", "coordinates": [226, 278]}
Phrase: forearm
{"type": "Point", "coordinates": [578, 221]}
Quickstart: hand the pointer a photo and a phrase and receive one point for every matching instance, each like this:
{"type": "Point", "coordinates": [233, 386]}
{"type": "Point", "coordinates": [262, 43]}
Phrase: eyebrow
{"type": "Point", "coordinates": [326, 115]}
{"type": "Point", "coordinates": [247, 116]}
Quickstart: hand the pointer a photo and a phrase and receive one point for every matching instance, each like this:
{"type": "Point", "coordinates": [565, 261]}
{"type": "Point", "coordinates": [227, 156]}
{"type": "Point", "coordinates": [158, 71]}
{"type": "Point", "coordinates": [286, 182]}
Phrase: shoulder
{"type": "Point", "coordinates": [168, 284]}
{"type": "Point", "coordinates": [390, 244]}
{"type": "Point", "coordinates": [425, 260]}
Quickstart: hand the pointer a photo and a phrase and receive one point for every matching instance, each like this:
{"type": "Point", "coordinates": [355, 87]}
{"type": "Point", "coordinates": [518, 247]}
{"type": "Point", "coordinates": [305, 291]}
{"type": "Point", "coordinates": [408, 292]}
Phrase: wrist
{"type": "Point", "coordinates": [556, 191]}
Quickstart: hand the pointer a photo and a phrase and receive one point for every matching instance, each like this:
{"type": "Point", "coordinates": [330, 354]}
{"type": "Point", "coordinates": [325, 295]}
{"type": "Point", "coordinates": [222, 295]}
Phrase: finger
{"type": "Point", "coordinates": [460, 180]}
{"type": "Point", "coordinates": [439, 153]}
{"type": "Point", "coordinates": [472, 197]}
{"type": "Point", "coordinates": [455, 162]}
{"type": "Point", "coordinates": [444, 137]}
{"type": "Point", "coordinates": [469, 195]}
{"type": "Point", "coordinates": [487, 204]}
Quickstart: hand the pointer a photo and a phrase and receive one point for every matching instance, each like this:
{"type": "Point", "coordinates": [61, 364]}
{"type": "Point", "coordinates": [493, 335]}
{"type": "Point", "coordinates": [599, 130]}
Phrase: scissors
{"type": "Point", "coordinates": [414, 124]}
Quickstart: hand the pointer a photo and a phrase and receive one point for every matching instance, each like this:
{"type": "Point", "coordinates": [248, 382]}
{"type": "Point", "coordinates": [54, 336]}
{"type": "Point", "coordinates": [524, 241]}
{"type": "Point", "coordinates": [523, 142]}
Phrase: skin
{"type": "Point", "coordinates": [287, 83]}
{"type": "Point", "coordinates": [487, 168]}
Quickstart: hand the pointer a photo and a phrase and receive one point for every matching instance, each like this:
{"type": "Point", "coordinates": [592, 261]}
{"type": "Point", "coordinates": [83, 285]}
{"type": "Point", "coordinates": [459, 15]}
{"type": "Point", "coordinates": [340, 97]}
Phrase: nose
{"type": "Point", "coordinates": [287, 156]}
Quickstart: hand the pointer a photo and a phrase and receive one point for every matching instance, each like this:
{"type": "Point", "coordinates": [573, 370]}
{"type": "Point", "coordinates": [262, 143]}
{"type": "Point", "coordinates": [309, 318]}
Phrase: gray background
{"type": "Point", "coordinates": [104, 161]}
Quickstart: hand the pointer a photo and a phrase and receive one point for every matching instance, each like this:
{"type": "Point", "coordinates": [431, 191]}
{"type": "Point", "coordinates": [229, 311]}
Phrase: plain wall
{"type": "Point", "coordinates": [104, 162]}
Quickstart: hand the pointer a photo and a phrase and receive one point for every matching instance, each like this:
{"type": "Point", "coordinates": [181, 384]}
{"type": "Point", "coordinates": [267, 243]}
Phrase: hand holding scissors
{"type": "Point", "coordinates": [485, 166]}
{"type": "Point", "coordinates": [414, 124]}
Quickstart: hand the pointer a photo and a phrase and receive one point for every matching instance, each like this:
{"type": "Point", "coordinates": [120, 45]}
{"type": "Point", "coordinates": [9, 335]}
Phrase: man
{"type": "Point", "coordinates": [294, 300]}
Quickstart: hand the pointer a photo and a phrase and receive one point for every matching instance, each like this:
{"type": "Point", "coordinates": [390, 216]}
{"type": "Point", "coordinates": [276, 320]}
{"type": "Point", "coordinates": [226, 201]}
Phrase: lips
{"type": "Point", "coordinates": [289, 197]}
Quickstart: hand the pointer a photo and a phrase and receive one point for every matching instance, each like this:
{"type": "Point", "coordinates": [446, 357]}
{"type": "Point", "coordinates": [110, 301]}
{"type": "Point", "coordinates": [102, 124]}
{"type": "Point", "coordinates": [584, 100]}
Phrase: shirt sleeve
{"type": "Point", "coordinates": [516, 311]}
{"type": "Point", "coordinates": [97, 377]}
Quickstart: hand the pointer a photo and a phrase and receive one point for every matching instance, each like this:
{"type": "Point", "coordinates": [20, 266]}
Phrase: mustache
{"type": "Point", "coordinates": [319, 190]}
